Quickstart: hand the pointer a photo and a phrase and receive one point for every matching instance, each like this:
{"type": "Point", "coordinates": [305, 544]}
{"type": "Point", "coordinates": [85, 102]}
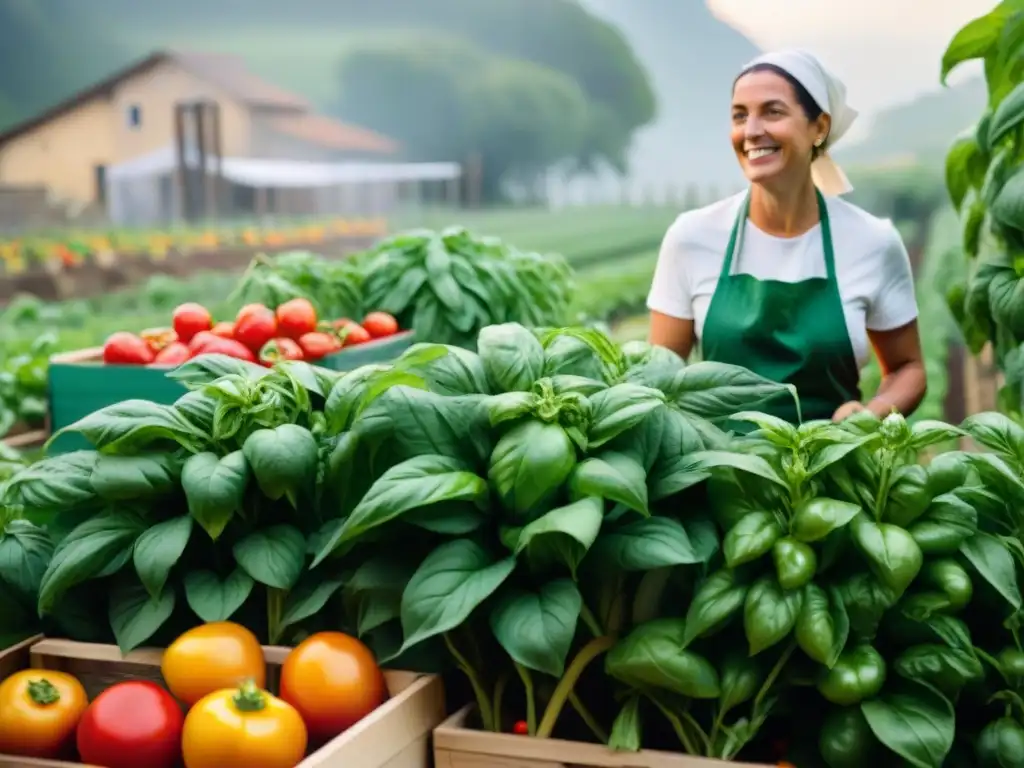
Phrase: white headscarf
{"type": "Point", "coordinates": [829, 93]}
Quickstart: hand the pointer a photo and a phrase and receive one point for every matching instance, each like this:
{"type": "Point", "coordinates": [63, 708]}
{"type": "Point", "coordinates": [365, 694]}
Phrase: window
{"type": "Point", "coordinates": [134, 116]}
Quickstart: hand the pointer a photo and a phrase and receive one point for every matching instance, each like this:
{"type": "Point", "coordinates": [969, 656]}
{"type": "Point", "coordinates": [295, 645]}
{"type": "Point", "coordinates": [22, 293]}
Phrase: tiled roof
{"type": "Point", "coordinates": [330, 133]}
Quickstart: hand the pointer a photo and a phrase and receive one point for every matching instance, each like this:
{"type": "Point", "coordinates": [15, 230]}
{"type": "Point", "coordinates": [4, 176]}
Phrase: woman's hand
{"type": "Point", "coordinates": [846, 410]}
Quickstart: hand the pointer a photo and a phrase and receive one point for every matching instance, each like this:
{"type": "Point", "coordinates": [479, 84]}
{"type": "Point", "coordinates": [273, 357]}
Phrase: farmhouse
{"type": "Point", "coordinates": [133, 120]}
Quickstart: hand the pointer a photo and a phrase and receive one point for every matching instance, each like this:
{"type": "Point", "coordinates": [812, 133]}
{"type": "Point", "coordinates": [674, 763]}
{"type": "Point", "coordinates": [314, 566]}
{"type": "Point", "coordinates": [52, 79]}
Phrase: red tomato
{"type": "Point", "coordinates": [131, 724]}
{"type": "Point", "coordinates": [248, 309]}
{"type": "Point", "coordinates": [333, 681]}
{"type": "Point", "coordinates": [255, 326]}
{"type": "Point", "coordinates": [341, 323]}
{"type": "Point", "coordinates": [318, 344]}
{"type": "Point", "coordinates": [295, 318]}
{"type": "Point", "coordinates": [224, 329]}
{"type": "Point", "coordinates": [380, 324]}
{"type": "Point", "coordinates": [229, 347]}
{"type": "Point", "coordinates": [355, 334]}
{"type": "Point", "coordinates": [174, 353]}
{"type": "Point", "coordinates": [521, 728]}
{"type": "Point", "coordinates": [126, 349]}
{"type": "Point", "coordinates": [189, 319]}
{"type": "Point", "coordinates": [280, 349]}
{"type": "Point", "coordinates": [200, 340]}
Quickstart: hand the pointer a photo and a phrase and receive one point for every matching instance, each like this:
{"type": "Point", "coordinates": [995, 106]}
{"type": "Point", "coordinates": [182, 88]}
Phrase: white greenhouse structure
{"type": "Point", "coordinates": [153, 190]}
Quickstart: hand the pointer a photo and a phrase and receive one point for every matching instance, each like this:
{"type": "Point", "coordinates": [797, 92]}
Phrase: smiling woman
{"type": "Point", "coordinates": [787, 279]}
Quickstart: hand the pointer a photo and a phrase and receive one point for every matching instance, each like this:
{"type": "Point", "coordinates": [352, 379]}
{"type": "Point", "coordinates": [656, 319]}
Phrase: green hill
{"type": "Point", "coordinates": [920, 130]}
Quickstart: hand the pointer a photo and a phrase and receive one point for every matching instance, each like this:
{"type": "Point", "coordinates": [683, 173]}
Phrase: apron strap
{"type": "Point", "coordinates": [736, 237]}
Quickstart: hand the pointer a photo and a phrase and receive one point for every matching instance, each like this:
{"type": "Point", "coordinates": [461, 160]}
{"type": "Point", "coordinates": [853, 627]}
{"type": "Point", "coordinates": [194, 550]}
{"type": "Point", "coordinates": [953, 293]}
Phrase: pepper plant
{"type": "Point", "coordinates": [985, 179]}
{"type": "Point", "coordinates": [548, 476]}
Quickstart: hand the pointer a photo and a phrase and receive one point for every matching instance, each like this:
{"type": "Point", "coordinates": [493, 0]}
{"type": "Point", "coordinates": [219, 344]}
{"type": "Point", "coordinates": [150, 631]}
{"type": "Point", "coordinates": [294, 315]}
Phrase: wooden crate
{"type": "Point", "coordinates": [456, 746]}
{"type": "Point", "coordinates": [395, 735]}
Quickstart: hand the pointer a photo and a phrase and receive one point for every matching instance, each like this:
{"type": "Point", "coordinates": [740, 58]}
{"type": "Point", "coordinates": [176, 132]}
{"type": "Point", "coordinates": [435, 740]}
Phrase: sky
{"type": "Point", "coordinates": [886, 51]}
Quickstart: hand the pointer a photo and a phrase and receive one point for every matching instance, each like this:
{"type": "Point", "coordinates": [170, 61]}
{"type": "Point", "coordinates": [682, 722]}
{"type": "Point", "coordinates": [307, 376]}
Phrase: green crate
{"type": "Point", "coordinates": [81, 384]}
{"type": "Point", "coordinates": [381, 351]}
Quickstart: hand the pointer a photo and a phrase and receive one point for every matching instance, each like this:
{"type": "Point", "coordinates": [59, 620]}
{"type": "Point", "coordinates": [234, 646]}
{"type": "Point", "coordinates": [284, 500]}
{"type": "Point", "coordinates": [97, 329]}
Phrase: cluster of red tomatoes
{"type": "Point", "coordinates": [219, 716]}
{"type": "Point", "coordinates": [292, 331]}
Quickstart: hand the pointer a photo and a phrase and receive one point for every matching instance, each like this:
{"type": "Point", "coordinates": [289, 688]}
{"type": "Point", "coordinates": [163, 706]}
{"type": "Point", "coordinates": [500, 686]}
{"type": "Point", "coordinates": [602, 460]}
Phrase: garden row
{"type": "Point", "coordinates": [483, 281]}
{"type": "Point", "coordinates": [561, 529]}
{"type": "Point", "coordinates": [48, 251]}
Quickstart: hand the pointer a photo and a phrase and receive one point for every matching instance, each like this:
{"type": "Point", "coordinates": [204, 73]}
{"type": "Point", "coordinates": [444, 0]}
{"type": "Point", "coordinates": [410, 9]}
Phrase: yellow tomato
{"type": "Point", "coordinates": [39, 710]}
{"type": "Point", "coordinates": [243, 728]}
{"type": "Point", "coordinates": [212, 657]}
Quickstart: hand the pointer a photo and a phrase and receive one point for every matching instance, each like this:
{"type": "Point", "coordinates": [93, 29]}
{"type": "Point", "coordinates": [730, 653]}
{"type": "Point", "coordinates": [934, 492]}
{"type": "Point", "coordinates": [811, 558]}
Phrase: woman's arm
{"type": "Point", "coordinates": [893, 308]}
{"type": "Point", "coordinates": [669, 300]}
{"type": "Point", "coordinates": [904, 382]}
{"type": "Point", "coordinates": [671, 332]}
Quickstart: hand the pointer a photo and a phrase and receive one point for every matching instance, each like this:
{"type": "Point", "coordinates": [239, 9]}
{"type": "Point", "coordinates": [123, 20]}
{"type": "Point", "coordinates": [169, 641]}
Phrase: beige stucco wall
{"type": "Point", "coordinates": [156, 91]}
{"type": "Point", "coordinates": [62, 154]}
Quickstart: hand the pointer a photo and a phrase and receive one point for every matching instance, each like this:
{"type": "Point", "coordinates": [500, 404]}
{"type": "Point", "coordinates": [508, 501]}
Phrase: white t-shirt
{"type": "Point", "coordinates": [872, 267]}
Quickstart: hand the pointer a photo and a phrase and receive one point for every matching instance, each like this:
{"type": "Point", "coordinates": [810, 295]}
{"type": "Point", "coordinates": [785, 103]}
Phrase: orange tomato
{"type": "Point", "coordinates": [39, 711]}
{"type": "Point", "coordinates": [243, 728]}
{"type": "Point", "coordinates": [333, 681]}
{"type": "Point", "coordinates": [212, 657]}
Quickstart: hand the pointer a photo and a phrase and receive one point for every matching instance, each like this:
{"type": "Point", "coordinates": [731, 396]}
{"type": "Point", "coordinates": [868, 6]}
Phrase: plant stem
{"type": "Point", "coordinates": [590, 620]}
{"type": "Point", "coordinates": [699, 731]}
{"type": "Point", "coordinates": [587, 717]}
{"type": "Point", "coordinates": [482, 699]}
{"type": "Point", "coordinates": [531, 700]}
{"type": "Point", "coordinates": [499, 694]}
{"type": "Point", "coordinates": [773, 675]}
{"type": "Point", "coordinates": [587, 654]}
{"type": "Point", "coordinates": [678, 727]}
{"type": "Point", "coordinates": [883, 484]}
{"type": "Point", "coordinates": [275, 608]}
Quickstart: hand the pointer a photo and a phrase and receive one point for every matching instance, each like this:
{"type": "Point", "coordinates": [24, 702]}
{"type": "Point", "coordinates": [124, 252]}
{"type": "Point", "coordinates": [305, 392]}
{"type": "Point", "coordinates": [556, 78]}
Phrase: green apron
{"type": "Point", "coordinates": [792, 333]}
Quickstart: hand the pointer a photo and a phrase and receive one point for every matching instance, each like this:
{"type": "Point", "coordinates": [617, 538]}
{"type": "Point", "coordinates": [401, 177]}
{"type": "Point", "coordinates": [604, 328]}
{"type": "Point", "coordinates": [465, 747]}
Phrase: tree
{"type": "Point", "coordinates": [444, 99]}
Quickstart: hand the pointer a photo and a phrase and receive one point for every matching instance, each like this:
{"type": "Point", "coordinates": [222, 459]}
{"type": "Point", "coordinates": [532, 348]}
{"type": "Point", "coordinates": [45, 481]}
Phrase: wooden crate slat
{"type": "Point", "coordinates": [395, 735]}
{"type": "Point", "coordinates": [456, 746]}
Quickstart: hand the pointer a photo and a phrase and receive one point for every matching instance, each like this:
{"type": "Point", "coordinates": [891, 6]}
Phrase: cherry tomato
{"type": "Point", "coordinates": [189, 319]}
{"type": "Point", "coordinates": [123, 348]}
{"type": "Point", "coordinates": [174, 353]}
{"type": "Point", "coordinates": [224, 329]}
{"type": "Point", "coordinates": [218, 346]}
{"type": "Point", "coordinates": [521, 728]}
{"type": "Point", "coordinates": [212, 657]}
{"type": "Point", "coordinates": [295, 318]}
{"type": "Point", "coordinates": [280, 349]}
{"type": "Point", "coordinates": [255, 326]}
{"type": "Point", "coordinates": [354, 334]}
{"type": "Point", "coordinates": [341, 323]}
{"type": "Point", "coordinates": [380, 324]}
{"type": "Point", "coordinates": [243, 728]}
{"type": "Point", "coordinates": [39, 710]}
{"type": "Point", "coordinates": [333, 681]}
{"type": "Point", "coordinates": [131, 724]}
{"type": "Point", "coordinates": [318, 344]}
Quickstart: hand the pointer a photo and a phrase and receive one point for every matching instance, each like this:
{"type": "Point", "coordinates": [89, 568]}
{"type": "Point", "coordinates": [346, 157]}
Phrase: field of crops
{"type": "Point", "coordinates": [612, 251]}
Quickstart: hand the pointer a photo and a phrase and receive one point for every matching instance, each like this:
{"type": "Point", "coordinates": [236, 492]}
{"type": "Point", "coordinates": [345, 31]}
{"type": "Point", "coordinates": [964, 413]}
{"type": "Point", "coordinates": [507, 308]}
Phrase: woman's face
{"type": "Point", "coordinates": [771, 134]}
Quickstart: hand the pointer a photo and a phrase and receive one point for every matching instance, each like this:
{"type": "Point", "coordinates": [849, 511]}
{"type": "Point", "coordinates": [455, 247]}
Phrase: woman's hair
{"type": "Point", "coordinates": [803, 97]}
